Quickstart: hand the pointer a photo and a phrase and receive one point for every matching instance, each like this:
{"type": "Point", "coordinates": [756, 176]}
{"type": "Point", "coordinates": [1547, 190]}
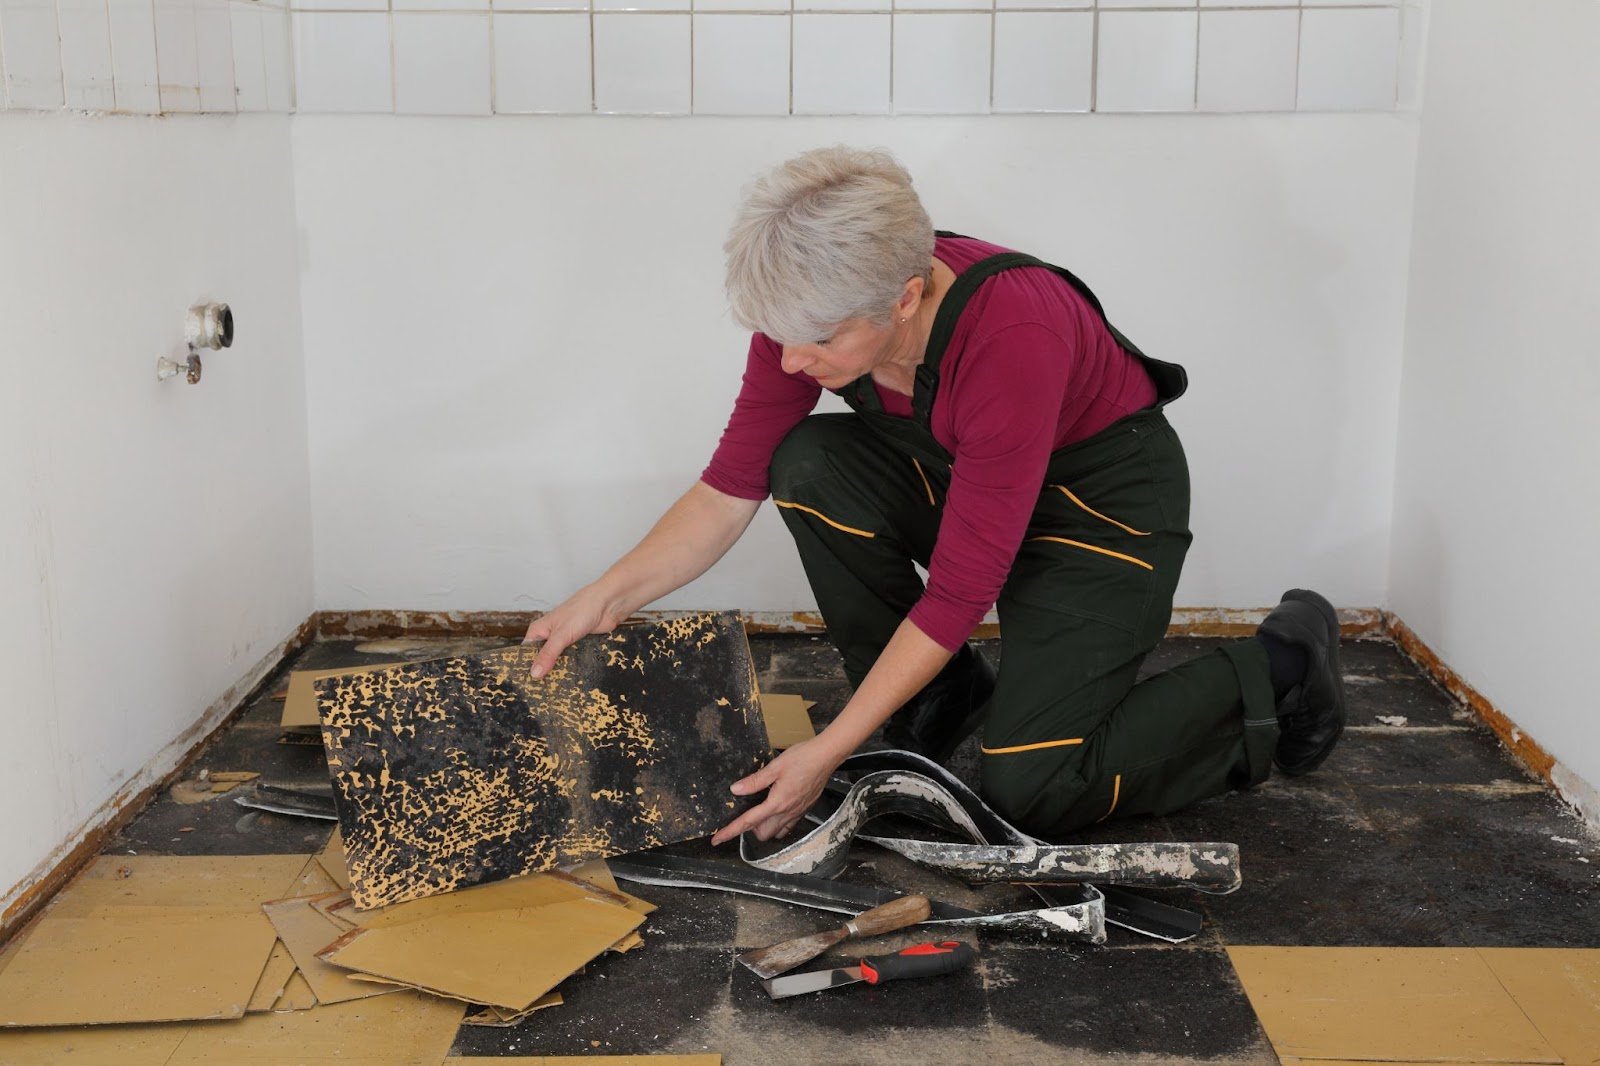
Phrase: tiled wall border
{"type": "Point", "coordinates": [710, 57]}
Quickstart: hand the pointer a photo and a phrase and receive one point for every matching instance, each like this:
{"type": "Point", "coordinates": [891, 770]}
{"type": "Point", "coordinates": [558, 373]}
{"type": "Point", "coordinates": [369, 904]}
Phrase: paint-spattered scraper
{"type": "Point", "coordinates": [780, 958]}
{"type": "Point", "coordinates": [924, 960]}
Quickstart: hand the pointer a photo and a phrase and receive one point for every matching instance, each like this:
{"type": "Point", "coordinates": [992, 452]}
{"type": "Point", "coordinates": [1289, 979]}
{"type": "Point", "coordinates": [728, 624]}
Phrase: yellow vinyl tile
{"type": "Point", "coordinates": [1559, 990]}
{"type": "Point", "coordinates": [1387, 1004]}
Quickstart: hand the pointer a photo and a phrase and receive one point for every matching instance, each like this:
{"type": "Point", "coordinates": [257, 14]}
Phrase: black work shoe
{"type": "Point", "coordinates": [947, 710]}
{"type": "Point", "coordinates": [1310, 715]}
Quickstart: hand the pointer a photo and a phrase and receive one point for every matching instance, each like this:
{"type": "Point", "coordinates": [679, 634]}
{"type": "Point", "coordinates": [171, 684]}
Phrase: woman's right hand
{"type": "Point", "coordinates": [585, 613]}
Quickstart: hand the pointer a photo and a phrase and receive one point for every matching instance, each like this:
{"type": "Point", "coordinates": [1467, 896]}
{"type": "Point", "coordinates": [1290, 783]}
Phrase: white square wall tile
{"type": "Point", "coordinates": [441, 64]}
{"type": "Point", "coordinates": [467, 6]}
{"type": "Point", "coordinates": [1262, 3]}
{"type": "Point", "coordinates": [1248, 60]}
{"type": "Point", "coordinates": [538, 5]}
{"type": "Point", "coordinates": [1034, 5]}
{"type": "Point", "coordinates": [249, 56]}
{"type": "Point", "coordinates": [541, 64]}
{"type": "Point", "coordinates": [1349, 60]}
{"type": "Point", "coordinates": [641, 64]}
{"type": "Point", "coordinates": [1043, 60]}
{"type": "Point", "coordinates": [440, 5]}
{"type": "Point", "coordinates": [642, 5]}
{"type": "Point", "coordinates": [941, 64]}
{"type": "Point", "coordinates": [339, 5]}
{"type": "Point", "coordinates": [943, 5]}
{"type": "Point", "coordinates": [341, 62]}
{"type": "Point", "coordinates": [841, 64]}
{"type": "Point", "coordinates": [1146, 61]}
{"type": "Point", "coordinates": [741, 64]}
{"type": "Point", "coordinates": [843, 5]}
{"type": "Point", "coordinates": [133, 55]}
{"type": "Point", "coordinates": [86, 74]}
{"type": "Point", "coordinates": [213, 30]}
{"type": "Point", "coordinates": [32, 45]}
{"type": "Point", "coordinates": [1152, 3]}
{"type": "Point", "coordinates": [278, 56]}
{"type": "Point", "coordinates": [177, 55]}
{"type": "Point", "coordinates": [741, 5]}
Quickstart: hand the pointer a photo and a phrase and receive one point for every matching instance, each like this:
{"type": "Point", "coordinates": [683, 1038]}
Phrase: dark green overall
{"type": "Point", "coordinates": [1069, 738]}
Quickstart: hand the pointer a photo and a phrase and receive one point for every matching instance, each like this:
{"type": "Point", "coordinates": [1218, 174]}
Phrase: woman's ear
{"type": "Point", "coordinates": [910, 299]}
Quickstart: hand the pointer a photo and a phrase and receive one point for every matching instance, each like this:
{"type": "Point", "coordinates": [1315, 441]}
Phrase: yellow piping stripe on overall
{"type": "Point", "coordinates": [1032, 747]}
{"type": "Point", "coordinates": [924, 477]}
{"type": "Point", "coordinates": [1116, 794]}
{"type": "Point", "coordinates": [1102, 551]}
{"type": "Point", "coordinates": [1098, 515]}
{"type": "Point", "coordinates": [825, 518]}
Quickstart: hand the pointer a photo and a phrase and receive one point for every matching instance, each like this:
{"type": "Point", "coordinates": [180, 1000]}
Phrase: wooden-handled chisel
{"type": "Point", "coordinates": [896, 914]}
{"type": "Point", "coordinates": [924, 960]}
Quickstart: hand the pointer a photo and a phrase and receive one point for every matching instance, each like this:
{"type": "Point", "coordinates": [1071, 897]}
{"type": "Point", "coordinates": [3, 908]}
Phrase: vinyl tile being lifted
{"type": "Point", "coordinates": [462, 771]}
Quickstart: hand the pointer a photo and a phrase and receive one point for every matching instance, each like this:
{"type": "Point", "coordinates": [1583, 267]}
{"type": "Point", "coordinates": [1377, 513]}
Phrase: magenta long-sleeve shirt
{"type": "Point", "coordinates": [1031, 368]}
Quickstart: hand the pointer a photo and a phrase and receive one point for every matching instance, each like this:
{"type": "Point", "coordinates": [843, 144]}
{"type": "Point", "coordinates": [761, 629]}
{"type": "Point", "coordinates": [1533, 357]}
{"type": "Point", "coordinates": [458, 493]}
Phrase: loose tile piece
{"type": "Point", "coordinates": [590, 1060]}
{"type": "Point", "coordinates": [503, 958]}
{"type": "Point", "coordinates": [1387, 1004]}
{"type": "Point", "coordinates": [788, 719]}
{"type": "Point", "coordinates": [405, 1029]}
{"type": "Point", "coordinates": [305, 932]}
{"type": "Point", "coordinates": [235, 882]}
{"type": "Point", "coordinates": [464, 771]}
{"type": "Point", "coordinates": [1559, 990]}
{"type": "Point", "coordinates": [120, 1045]}
{"type": "Point", "coordinates": [136, 964]}
{"type": "Point", "coordinates": [300, 705]}
{"type": "Point", "coordinates": [331, 859]}
{"type": "Point", "coordinates": [274, 979]}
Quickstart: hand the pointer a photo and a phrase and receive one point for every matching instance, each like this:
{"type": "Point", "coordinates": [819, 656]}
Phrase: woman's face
{"type": "Point", "coordinates": [856, 347]}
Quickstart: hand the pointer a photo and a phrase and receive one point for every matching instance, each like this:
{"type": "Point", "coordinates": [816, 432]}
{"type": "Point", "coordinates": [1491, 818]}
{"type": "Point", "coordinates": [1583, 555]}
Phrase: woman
{"type": "Point", "coordinates": [1012, 442]}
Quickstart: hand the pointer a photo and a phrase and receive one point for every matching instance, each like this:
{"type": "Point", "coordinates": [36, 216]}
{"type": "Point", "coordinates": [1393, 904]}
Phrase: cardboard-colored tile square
{"type": "Point", "coordinates": [466, 771]}
{"type": "Point", "coordinates": [332, 860]}
{"type": "Point", "coordinates": [405, 1029]}
{"type": "Point", "coordinates": [1386, 1004]}
{"type": "Point", "coordinates": [110, 1045]}
{"type": "Point", "coordinates": [274, 979]}
{"type": "Point", "coordinates": [501, 1018]}
{"type": "Point", "coordinates": [305, 932]}
{"type": "Point", "coordinates": [300, 705]}
{"type": "Point", "coordinates": [136, 964]}
{"type": "Point", "coordinates": [236, 882]}
{"type": "Point", "coordinates": [297, 995]}
{"type": "Point", "coordinates": [787, 718]}
{"type": "Point", "coordinates": [1559, 990]}
{"type": "Point", "coordinates": [498, 958]}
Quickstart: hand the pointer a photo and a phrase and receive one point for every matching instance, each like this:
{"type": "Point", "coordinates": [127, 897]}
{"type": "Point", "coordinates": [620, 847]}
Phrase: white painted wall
{"type": "Point", "coordinates": [518, 351]}
{"type": "Point", "coordinates": [1497, 498]}
{"type": "Point", "coordinates": [154, 537]}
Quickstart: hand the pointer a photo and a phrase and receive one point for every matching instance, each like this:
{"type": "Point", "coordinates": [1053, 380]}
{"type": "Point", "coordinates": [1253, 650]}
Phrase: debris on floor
{"type": "Point", "coordinates": [1395, 720]}
{"type": "Point", "coordinates": [208, 785]}
{"type": "Point", "coordinates": [459, 772]}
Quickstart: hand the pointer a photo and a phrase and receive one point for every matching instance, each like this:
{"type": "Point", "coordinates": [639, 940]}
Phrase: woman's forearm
{"type": "Point", "coordinates": [909, 661]}
{"type": "Point", "coordinates": [694, 533]}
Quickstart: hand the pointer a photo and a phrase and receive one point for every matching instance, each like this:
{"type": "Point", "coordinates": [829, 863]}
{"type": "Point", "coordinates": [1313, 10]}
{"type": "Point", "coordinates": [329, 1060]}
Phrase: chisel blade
{"type": "Point", "coordinates": [801, 983]}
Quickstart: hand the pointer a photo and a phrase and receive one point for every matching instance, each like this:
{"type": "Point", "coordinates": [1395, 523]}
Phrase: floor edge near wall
{"type": "Point", "coordinates": [24, 900]}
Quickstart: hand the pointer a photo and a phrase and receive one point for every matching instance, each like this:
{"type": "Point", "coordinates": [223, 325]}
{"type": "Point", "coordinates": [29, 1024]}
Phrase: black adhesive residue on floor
{"type": "Point", "coordinates": [1423, 834]}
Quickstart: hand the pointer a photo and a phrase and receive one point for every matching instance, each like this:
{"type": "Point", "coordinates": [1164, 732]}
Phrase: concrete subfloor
{"type": "Point", "coordinates": [1423, 834]}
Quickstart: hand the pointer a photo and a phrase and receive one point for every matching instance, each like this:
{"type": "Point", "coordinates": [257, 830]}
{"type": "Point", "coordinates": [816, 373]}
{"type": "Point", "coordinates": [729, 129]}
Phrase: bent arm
{"type": "Point", "coordinates": [694, 533]}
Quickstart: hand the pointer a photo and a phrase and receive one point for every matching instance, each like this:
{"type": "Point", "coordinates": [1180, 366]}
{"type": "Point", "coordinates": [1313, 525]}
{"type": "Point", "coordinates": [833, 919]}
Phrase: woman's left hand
{"type": "Point", "coordinates": [793, 782]}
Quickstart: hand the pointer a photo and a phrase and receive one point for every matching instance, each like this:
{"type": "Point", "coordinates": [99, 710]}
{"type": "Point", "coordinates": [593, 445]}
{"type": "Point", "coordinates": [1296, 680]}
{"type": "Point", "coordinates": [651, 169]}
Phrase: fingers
{"type": "Point", "coordinates": [554, 645]}
{"type": "Point", "coordinates": [762, 778]}
{"type": "Point", "coordinates": [746, 821]}
{"type": "Point", "coordinates": [538, 630]}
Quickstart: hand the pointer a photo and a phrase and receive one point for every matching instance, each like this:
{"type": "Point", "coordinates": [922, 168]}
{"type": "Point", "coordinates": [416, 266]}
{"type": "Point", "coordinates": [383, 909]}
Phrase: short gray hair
{"type": "Point", "coordinates": [829, 235]}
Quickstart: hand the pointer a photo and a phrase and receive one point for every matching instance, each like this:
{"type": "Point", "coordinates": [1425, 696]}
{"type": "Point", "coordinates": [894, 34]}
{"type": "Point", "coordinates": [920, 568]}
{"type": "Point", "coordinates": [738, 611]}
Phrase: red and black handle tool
{"type": "Point", "coordinates": [922, 960]}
